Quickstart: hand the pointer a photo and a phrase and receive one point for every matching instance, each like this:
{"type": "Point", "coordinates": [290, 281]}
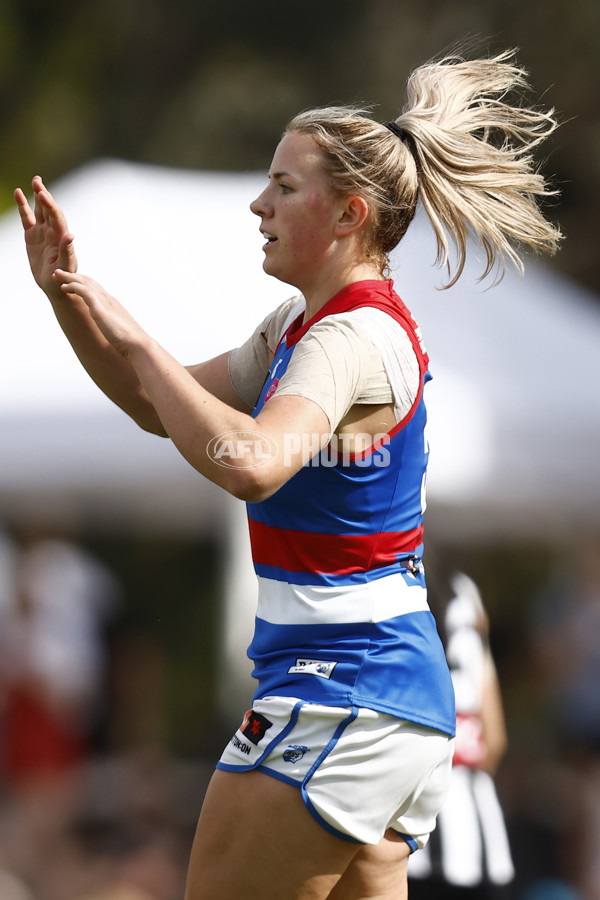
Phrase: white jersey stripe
{"type": "Point", "coordinates": [281, 603]}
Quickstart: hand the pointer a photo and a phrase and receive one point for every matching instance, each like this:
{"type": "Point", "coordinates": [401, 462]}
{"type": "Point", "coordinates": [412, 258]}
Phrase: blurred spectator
{"type": "Point", "coordinates": [566, 643]}
{"type": "Point", "coordinates": [142, 862]}
{"type": "Point", "coordinates": [81, 820]}
{"type": "Point", "coordinates": [55, 602]}
{"type": "Point", "coordinates": [52, 656]}
{"type": "Point", "coordinates": [468, 855]}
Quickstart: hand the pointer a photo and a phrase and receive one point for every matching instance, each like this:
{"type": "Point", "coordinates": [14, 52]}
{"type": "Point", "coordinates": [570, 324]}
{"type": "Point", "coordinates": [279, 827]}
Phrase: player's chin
{"type": "Point", "coordinates": [271, 267]}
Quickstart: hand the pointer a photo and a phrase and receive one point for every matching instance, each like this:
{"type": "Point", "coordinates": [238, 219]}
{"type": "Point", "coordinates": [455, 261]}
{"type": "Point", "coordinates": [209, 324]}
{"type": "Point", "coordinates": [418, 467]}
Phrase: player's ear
{"type": "Point", "coordinates": [353, 215]}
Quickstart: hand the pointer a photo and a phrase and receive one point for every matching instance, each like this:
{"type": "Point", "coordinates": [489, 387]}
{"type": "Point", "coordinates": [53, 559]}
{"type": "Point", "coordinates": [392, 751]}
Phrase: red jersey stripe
{"type": "Point", "coordinates": [342, 554]}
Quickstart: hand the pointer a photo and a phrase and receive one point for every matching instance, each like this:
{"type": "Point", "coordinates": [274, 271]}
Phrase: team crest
{"type": "Point", "coordinates": [294, 752]}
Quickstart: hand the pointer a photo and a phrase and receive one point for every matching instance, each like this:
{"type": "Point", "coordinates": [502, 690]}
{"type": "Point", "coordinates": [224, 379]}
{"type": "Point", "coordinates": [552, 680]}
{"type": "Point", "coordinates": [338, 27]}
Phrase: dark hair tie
{"type": "Point", "coordinates": [395, 129]}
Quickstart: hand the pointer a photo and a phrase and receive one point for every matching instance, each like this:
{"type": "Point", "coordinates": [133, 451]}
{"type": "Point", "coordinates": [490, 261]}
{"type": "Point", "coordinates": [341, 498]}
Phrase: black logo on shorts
{"type": "Point", "coordinates": [240, 745]}
{"type": "Point", "coordinates": [254, 726]}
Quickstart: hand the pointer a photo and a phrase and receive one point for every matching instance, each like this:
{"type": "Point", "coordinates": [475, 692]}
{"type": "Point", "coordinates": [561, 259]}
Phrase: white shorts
{"type": "Point", "coordinates": [359, 771]}
{"type": "Point", "coordinates": [471, 845]}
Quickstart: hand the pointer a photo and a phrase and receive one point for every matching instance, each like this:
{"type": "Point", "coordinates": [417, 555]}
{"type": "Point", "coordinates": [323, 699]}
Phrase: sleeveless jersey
{"type": "Point", "coordinates": [342, 615]}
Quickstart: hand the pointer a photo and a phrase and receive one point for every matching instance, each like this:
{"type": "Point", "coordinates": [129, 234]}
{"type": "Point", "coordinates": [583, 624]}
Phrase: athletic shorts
{"type": "Point", "coordinates": [359, 771]}
{"type": "Point", "coordinates": [470, 846]}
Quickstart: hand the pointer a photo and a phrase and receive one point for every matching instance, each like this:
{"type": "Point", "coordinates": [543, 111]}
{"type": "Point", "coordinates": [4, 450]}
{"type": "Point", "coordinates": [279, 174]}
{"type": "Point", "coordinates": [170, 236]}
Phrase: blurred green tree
{"type": "Point", "coordinates": [197, 84]}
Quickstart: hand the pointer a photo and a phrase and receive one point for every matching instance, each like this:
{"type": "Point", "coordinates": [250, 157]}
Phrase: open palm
{"type": "Point", "coordinates": [47, 239]}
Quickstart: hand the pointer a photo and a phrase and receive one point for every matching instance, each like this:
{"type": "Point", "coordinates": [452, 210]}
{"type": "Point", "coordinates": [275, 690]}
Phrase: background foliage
{"type": "Point", "coordinates": [191, 83]}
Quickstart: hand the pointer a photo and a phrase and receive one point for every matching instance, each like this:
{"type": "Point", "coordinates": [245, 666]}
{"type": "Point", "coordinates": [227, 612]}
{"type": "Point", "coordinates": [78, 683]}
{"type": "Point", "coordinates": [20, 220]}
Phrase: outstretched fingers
{"type": "Point", "coordinates": [67, 259]}
{"type": "Point", "coordinates": [73, 283]}
{"type": "Point", "coordinates": [47, 209]}
{"type": "Point", "coordinates": [100, 303]}
{"type": "Point", "coordinates": [114, 322]}
{"type": "Point", "coordinates": [25, 211]}
{"type": "Point", "coordinates": [47, 239]}
{"type": "Point", "coordinates": [93, 295]}
{"type": "Point", "coordinates": [41, 197]}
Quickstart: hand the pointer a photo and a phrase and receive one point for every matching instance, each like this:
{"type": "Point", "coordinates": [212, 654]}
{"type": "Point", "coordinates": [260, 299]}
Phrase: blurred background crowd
{"type": "Point", "coordinates": [114, 655]}
{"type": "Point", "coordinates": [111, 711]}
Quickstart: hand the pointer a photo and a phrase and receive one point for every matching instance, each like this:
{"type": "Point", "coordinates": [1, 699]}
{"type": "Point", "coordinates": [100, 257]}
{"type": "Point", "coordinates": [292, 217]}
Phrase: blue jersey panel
{"type": "Point", "coordinates": [397, 666]}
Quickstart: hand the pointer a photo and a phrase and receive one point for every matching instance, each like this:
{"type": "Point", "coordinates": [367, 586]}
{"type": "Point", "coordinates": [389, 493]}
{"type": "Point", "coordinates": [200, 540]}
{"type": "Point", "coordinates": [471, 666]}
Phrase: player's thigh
{"type": "Point", "coordinates": [376, 871]}
{"type": "Point", "coordinates": [256, 838]}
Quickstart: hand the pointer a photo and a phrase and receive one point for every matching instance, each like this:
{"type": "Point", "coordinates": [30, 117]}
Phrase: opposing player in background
{"type": "Point", "coordinates": [309, 800]}
{"type": "Point", "coordinates": [469, 854]}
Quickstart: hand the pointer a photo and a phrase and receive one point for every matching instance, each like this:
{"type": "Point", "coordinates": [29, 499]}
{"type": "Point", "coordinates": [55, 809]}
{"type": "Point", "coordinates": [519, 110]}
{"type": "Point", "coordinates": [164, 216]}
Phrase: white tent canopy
{"type": "Point", "coordinates": [514, 406]}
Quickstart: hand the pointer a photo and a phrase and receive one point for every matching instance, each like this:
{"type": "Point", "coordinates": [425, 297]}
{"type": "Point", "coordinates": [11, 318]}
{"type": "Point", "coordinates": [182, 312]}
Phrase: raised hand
{"type": "Point", "coordinates": [118, 327]}
{"type": "Point", "coordinates": [47, 239]}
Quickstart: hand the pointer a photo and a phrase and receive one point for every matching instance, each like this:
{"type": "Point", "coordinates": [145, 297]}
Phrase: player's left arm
{"type": "Point", "coordinates": [492, 716]}
{"type": "Point", "coordinates": [263, 452]}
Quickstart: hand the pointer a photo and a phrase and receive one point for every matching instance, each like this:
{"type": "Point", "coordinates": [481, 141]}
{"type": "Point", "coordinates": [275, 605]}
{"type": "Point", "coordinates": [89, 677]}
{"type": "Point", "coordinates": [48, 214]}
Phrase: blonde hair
{"type": "Point", "coordinates": [464, 151]}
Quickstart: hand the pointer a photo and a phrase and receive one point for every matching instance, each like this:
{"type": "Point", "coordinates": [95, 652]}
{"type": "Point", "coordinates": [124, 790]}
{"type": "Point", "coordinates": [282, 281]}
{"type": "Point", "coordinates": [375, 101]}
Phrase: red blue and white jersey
{"type": "Point", "coordinates": [342, 615]}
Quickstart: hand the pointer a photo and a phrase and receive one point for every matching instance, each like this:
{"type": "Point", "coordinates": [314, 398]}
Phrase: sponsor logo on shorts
{"type": "Point", "coordinates": [294, 752]}
{"type": "Point", "coordinates": [321, 667]}
{"type": "Point", "coordinates": [240, 745]}
{"type": "Point", "coordinates": [254, 726]}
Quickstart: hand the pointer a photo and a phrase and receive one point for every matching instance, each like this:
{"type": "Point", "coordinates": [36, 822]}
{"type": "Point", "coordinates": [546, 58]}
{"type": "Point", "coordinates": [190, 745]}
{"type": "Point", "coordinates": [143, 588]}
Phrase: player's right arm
{"type": "Point", "coordinates": [50, 246]}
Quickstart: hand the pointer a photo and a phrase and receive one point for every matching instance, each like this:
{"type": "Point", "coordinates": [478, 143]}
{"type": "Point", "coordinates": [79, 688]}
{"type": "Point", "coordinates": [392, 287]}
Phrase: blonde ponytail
{"type": "Point", "coordinates": [461, 147]}
{"type": "Point", "coordinates": [473, 152]}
